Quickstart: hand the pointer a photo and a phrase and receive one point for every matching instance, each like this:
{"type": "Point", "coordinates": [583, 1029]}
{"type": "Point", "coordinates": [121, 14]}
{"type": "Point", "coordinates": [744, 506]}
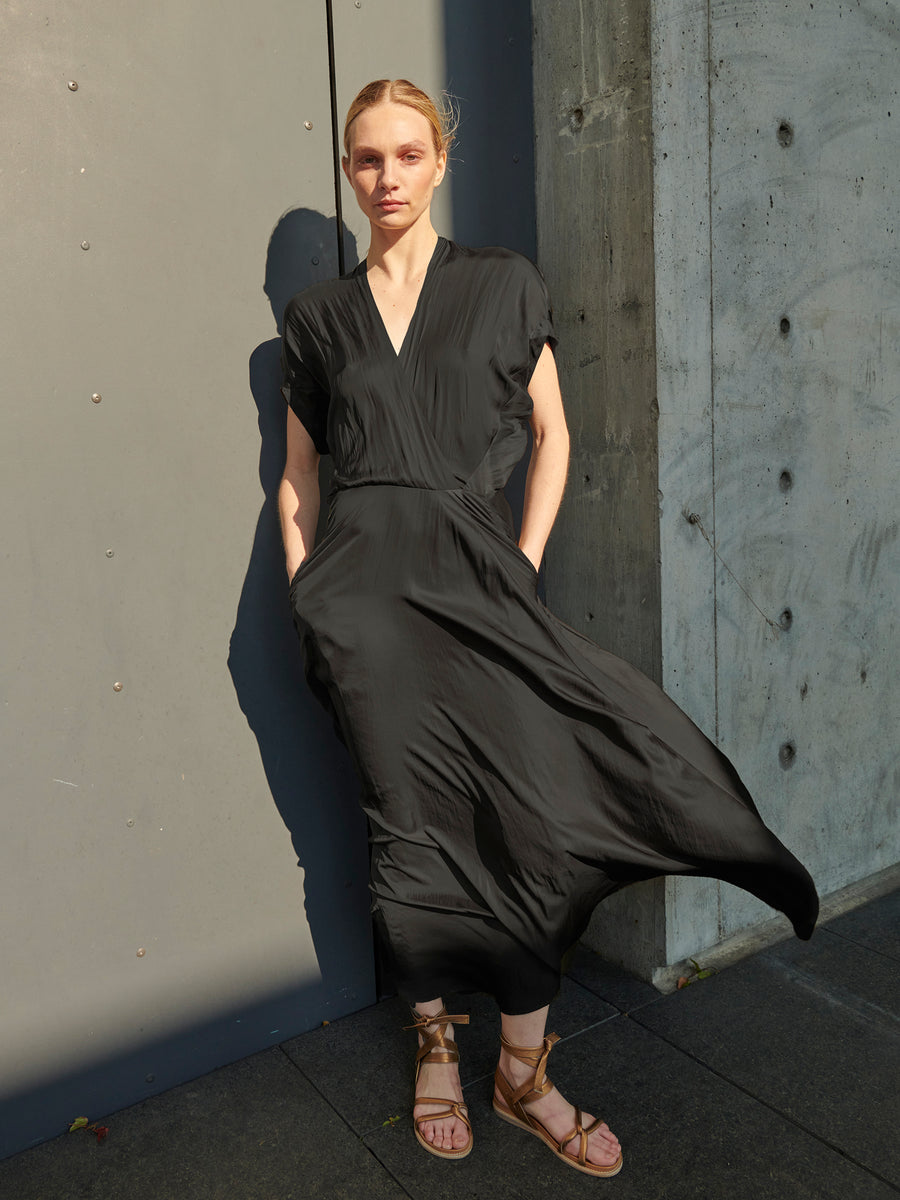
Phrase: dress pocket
{"type": "Point", "coordinates": [524, 557]}
{"type": "Point", "coordinates": [296, 575]}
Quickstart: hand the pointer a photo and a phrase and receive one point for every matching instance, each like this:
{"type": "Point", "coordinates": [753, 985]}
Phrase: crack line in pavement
{"type": "Point", "coordinates": [771, 1107]}
{"type": "Point", "coordinates": [346, 1123]}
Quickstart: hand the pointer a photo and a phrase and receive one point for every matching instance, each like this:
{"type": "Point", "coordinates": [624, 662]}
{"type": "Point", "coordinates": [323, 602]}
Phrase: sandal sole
{"type": "Point", "coordinates": [588, 1169]}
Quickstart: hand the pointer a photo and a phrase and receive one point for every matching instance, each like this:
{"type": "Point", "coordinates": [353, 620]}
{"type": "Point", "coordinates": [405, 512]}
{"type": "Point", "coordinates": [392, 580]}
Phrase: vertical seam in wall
{"type": "Point", "coordinates": [335, 138]}
{"type": "Point", "coordinates": [712, 372]}
{"type": "Point", "coordinates": [651, 296]}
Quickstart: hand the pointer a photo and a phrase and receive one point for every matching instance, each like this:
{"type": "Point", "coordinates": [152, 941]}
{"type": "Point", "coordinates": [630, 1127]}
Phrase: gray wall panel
{"type": "Point", "coordinates": [143, 819]}
{"type": "Point", "coordinates": [389, 39]}
{"type": "Point", "coordinates": [481, 54]}
{"type": "Point", "coordinates": [488, 68]}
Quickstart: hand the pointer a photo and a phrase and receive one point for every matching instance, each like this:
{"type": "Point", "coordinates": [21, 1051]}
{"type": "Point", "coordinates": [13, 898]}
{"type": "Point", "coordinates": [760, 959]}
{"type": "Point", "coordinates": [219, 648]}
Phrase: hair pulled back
{"type": "Point", "coordinates": [440, 114]}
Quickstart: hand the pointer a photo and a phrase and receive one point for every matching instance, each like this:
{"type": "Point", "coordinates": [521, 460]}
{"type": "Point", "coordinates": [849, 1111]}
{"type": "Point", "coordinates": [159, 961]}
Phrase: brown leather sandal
{"type": "Point", "coordinates": [514, 1100]}
{"type": "Point", "coordinates": [437, 1048]}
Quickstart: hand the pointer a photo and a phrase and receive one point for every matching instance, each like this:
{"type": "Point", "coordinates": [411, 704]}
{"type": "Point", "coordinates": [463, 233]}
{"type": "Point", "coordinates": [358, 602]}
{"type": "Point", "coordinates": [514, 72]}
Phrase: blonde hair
{"type": "Point", "coordinates": [441, 115]}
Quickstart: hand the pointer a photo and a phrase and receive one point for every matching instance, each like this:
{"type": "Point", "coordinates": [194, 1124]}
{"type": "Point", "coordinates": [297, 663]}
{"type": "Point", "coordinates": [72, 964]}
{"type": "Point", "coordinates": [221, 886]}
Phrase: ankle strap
{"type": "Point", "coordinates": [441, 1018]}
{"type": "Point", "coordinates": [534, 1056]}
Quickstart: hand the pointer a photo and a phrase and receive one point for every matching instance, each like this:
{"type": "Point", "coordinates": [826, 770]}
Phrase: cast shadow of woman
{"type": "Point", "coordinates": [307, 770]}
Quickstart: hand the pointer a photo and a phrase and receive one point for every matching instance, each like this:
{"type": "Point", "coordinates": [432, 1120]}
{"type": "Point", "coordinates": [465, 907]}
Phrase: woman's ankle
{"type": "Point", "coordinates": [428, 1008]}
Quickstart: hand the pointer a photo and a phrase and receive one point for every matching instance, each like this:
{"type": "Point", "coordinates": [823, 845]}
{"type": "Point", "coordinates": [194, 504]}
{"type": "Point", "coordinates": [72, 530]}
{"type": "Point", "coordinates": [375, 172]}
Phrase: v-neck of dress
{"type": "Point", "coordinates": [398, 355]}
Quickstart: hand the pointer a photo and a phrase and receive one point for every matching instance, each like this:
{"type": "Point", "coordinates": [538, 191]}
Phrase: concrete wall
{"type": "Point", "coordinates": [594, 189]}
{"type": "Point", "coordinates": [776, 216]}
{"type": "Point", "coordinates": [774, 209]}
{"type": "Point", "coordinates": [595, 246]}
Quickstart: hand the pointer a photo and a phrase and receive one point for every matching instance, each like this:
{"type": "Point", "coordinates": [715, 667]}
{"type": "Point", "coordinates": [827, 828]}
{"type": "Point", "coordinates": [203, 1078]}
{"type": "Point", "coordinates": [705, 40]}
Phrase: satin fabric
{"type": "Point", "coordinates": [513, 772]}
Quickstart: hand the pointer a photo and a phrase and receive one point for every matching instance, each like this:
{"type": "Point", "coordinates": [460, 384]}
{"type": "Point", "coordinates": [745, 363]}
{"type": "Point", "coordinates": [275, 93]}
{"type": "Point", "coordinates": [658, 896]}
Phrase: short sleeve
{"type": "Point", "coordinates": [303, 377]}
{"type": "Point", "coordinates": [535, 319]}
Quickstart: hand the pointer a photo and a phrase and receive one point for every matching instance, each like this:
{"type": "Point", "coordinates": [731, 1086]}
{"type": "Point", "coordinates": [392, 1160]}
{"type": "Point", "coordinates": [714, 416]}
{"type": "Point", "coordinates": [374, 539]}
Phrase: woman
{"type": "Point", "coordinates": [513, 773]}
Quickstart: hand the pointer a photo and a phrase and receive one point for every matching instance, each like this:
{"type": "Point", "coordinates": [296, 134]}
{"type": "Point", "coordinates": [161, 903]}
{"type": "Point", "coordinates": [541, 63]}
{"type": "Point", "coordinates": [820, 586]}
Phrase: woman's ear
{"type": "Point", "coordinates": [441, 167]}
{"type": "Point", "coordinates": [345, 164]}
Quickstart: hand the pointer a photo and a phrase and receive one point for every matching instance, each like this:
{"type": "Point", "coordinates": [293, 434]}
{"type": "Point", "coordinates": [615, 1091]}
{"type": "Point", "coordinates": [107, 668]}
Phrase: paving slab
{"type": "Point", "coordinates": [876, 925]}
{"type": "Point", "coordinates": [255, 1130]}
{"type": "Point", "coordinates": [810, 1029]}
{"type": "Point", "coordinates": [364, 1066]}
{"type": "Point", "coordinates": [612, 984]}
{"type": "Point", "coordinates": [773, 1079]}
{"type": "Point", "coordinates": [686, 1133]}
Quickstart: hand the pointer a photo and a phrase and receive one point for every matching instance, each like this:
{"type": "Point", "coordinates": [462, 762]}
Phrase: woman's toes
{"type": "Point", "coordinates": [604, 1150]}
{"type": "Point", "coordinates": [446, 1135]}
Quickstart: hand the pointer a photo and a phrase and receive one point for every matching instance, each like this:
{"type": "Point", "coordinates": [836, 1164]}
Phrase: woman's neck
{"type": "Point", "coordinates": [402, 256]}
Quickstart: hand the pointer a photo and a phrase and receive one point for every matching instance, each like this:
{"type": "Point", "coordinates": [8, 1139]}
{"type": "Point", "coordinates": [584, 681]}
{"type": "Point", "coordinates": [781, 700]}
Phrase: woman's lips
{"type": "Point", "coordinates": [390, 205]}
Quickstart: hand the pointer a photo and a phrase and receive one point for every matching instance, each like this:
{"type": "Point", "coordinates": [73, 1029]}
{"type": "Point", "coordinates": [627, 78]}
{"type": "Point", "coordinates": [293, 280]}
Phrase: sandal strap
{"type": "Point", "coordinates": [455, 1109]}
{"type": "Point", "coordinates": [441, 1018]}
{"type": "Point", "coordinates": [535, 1056]}
{"type": "Point", "coordinates": [581, 1133]}
{"type": "Point", "coordinates": [436, 1046]}
{"type": "Point", "coordinates": [529, 1091]}
{"type": "Point", "coordinates": [516, 1101]}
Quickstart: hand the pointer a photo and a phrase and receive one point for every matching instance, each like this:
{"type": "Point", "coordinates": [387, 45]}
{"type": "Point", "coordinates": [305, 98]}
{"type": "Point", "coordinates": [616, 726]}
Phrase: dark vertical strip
{"type": "Point", "coordinates": [712, 368]}
{"type": "Point", "coordinates": [335, 137]}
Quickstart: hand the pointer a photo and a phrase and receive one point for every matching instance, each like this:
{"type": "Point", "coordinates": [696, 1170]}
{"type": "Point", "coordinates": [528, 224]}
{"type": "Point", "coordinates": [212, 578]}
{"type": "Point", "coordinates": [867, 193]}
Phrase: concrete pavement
{"type": "Point", "coordinates": [775, 1079]}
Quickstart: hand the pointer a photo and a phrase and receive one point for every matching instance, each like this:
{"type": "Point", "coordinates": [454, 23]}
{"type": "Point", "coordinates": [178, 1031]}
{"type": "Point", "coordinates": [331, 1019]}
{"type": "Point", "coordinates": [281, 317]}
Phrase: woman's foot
{"type": "Point", "coordinates": [438, 1090]}
{"type": "Point", "coordinates": [440, 1079]}
{"type": "Point", "coordinates": [557, 1115]}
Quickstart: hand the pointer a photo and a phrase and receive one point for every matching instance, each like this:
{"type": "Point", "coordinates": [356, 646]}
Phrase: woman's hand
{"type": "Point", "coordinates": [546, 478]}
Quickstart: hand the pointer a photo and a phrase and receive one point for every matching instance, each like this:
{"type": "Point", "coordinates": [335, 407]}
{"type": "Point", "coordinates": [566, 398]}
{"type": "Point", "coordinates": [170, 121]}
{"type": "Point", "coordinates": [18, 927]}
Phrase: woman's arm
{"type": "Point", "coordinates": [298, 494]}
{"type": "Point", "coordinates": [546, 478]}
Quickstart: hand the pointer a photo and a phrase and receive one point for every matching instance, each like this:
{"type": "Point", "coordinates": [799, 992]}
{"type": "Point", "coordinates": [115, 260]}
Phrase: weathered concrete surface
{"type": "Point", "coordinates": [684, 387]}
{"type": "Point", "coordinates": [776, 143]}
{"type": "Point", "coordinates": [783, 643]}
{"type": "Point", "coordinates": [595, 247]}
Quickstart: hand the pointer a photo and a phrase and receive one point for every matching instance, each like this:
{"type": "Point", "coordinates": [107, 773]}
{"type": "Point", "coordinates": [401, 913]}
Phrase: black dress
{"type": "Point", "coordinates": [513, 773]}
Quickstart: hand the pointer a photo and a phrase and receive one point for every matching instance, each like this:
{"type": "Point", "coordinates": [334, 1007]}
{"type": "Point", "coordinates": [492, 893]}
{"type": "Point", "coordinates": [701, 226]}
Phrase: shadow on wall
{"type": "Point", "coordinates": [487, 51]}
{"type": "Point", "coordinates": [310, 778]}
{"type": "Point", "coordinates": [308, 772]}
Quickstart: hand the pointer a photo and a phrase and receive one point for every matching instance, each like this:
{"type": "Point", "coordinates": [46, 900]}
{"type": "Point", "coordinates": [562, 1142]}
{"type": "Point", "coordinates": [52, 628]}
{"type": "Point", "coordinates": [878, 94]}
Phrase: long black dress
{"type": "Point", "coordinates": [513, 773]}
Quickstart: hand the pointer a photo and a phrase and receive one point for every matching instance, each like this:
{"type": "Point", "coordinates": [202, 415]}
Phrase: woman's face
{"type": "Point", "coordinates": [392, 166]}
